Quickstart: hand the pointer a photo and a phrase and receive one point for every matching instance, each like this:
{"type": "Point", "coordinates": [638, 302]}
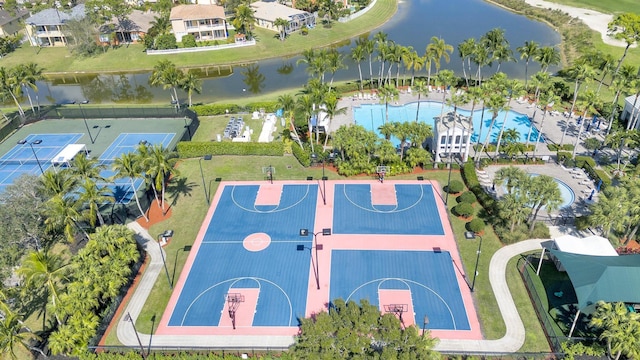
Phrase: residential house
{"type": "Point", "coordinates": [130, 30]}
{"type": "Point", "coordinates": [266, 13]}
{"type": "Point", "coordinates": [10, 24]}
{"type": "Point", "coordinates": [204, 22]}
{"type": "Point", "coordinates": [46, 28]}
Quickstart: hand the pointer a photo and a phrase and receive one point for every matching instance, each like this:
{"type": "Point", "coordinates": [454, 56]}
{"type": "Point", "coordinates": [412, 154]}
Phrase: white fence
{"type": "Point", "coordinates": [357, 14]}
{"type": "Point", "coordinates": [203, 48]}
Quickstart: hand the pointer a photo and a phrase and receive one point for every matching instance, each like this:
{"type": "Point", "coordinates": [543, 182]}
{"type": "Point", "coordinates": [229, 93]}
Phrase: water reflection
{"type": "Point", "coordinates": [253, 78]}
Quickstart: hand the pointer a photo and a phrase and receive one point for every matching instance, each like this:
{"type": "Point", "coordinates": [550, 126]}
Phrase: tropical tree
{"type": "Point", "coordinates": [387, 93]}
{"type": "Point", "coordinates": [166, 74]}
{"type": "Point", "coordinates": [380, 40]}
{"type": "Point", "coordinates": [465, 52]}
{"type": "Point", "coordinates": [54, 183]}
{"type": "Point", "coordinates": [547, 56]}
{"type": "Point", "coordinates": [191, 83]}
{"type": "Point", "coordinates": [580, 73]}
{"type": "Point", "coordinates": [15, 334]}
{"type": "Point", "coordinates": [619, 85]}
{"type": "Point", "coordinates": [335, 62]}
{"type": "Point", "coordinates": [445, 79]}
{"type": "Point", "coordinates": [413, 62]}
{"type": "Point", "coordinates": [621, 139]}
{"type": "Point", "coordinates": [625, 27]}
{"type": "Point", "coordinates": [543, 191]}
{"type": "Point", "coordinates": [511, 177]}
{"type": "Point", "coordinates": [8, 87]}
{"type": "Point", "coordinates": [589, 103]}
{"type": "Point", "coordinates": [440, 50]}
{"type": "Point", "coordinates": [287, 103]}
{"type": "Point", "coordinates": [527, 52]}
{"type": "Point", "coordinates": [27, 75]}
{"type": "Point", "coordinates": [547, 97]}
{"type": "Point", "coordinates": [281, 24]}
{"type": "Point", "coordinates": [127, 167]}
{"type": "Point", "coordinates": [244, 19]}
{"type": "Point", "coordinates": [619, 328]}
{"type": "Point", "coordinates": [92, 196]}
{"type": "Point", "coordinates": [503, 54]}
{"type": "Point", "coordinates": [514, 89]}
{"type": "Point", "coordinates": [420, 88]}
{"type": "Point", "coordinates": [609, 212]}
{"type": "Point", "coordinates": [85, 167]}
{"type": "Point", "coordinates": [161, 165]}
{"type": "Point", "coordinates": [46, 271]}
{"type": "Point", "coordinates": [357, 55]}
{"type": "Point", "coordinates": [331, 108]}
{"type": "Point", "coordinates": [63, 214]}
{"type": "Point", "coordinates": [367, 47]}
{"type": "Point", "coordinates": [542, 81]}
{"type": "Point", "coordinates": [481, 57]}
{"type": "Point", "coordinates": [496, 103]}
{"type": "Point", "coordinates": [305, 106]}
{"type": "Point", "coordinates": [514, 210]}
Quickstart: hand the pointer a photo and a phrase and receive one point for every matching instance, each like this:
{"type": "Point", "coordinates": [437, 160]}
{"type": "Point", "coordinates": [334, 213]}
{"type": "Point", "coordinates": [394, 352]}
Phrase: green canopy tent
{"type": "Point", "coordinates": [601, 278]}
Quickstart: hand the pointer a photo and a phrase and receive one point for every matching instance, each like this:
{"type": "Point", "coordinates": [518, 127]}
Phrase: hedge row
{"type": "Point", "coordinates": [221, 109]}
{"type": "Point", "coordinates": [10, 127]}
{"type": "Point", "coordinates": [471, 179]}
{"type": "Point", "coordinates": [303, 155]}
{"type": "Point", "coordinates": [190, 149]}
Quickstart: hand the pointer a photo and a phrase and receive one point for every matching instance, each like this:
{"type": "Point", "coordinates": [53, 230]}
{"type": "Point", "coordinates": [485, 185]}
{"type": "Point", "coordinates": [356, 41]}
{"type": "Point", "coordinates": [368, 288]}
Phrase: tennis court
{"type": "Point", "coordinates": [32, 156]}
{"type": "Point", "coordinates": [253, 270]}
{"type": "Point", "coordinates": [125, 188]}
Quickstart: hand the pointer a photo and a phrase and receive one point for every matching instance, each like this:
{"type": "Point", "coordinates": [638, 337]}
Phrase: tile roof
{"type": "Point", "coordinates": [136, 21]}
{"type": "Point", "coordinates": [6, 17]}
{"type": "Point", "coordinates": [272, 10]}
{"type": "Point", "coordinates": [196, 12]}
{"type": "Point", "coordinates": [56, 16]}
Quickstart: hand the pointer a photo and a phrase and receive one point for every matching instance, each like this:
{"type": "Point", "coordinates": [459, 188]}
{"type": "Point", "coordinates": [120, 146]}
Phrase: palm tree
{"type": "Point", "coordinates": [63, 213]}
{"type": "Point", "coordinates": [620, 328]}
{"type": "Point", "coordinates": [634, 87]}
{"type": "Point", "coordinates": [547, 97]}
{"type": "Point", "coordinates": [543, 191]}
{"type": "Point", "coordinates": [160, 25]}
{"type": "Point", "coordinates": [413, 62]}
{"type": "Point", "coordinates": [445, 78]}
{"type": "Point", "coordinates": [166, 74]}
{"type": "Point", "coordinates": [503, 54]}
{"type": "Point", "coordinates": [528, 51]}
{"type": "Point", "coordinates": [496, 102]}
{"type": "Point", "coordinates": [387, 93]}
{"type": "Point", "coordinates": [281, 24]}
{"type": "Point", "coordinates": [287, 104]}
{"type": "Point", "coordinates": [380, 39]}
{"type": "Point", "coordinates": [244, 19]}
{"type": "Point", "coordinates": [92, 196]}
{"type": "Point", "coordinates": [305, 106]}
{"type": "Point", "coordinates": [465, 51]}
{"type": "Point", "coordinates": [27, 75]}
{"type": "Point", "coordinates": [625, 27]}
{"type": "Point", "coordinates": [440, 50]}
{"type": "Point", "coordinates": [420, 89]}
{"type": "Point", "coordinates": [605, 65]}
{"type": "Point", "coordinates": [47, 271]}
{"type": "Point", "coordinates": [514, 89]}
{"type": "Point", "coordinates": [161, 163]}
{"type": "Point", "coordinates": [85, 167]}
{"type": "Point", "coordinates": [618, 85]}
{"type": "Point", "coordinates": [127, 166]}
{"type": "Point", "coordinates": [191, 83]}
{"type": "Point", "coordinates": [511, 177]}
{"type": "Point", "coordinates": [542, 81]}
{"type": "Point", "coordinates": [357, 55]}
{"type": "Point", "coordinates": [14, 334]}
{"type": "Point", "coordinates": [481, 57]}
{"type": "Point", "coordinates": [367, 46]}
{"type": "Point", "coordinates": [580, 73]}
{"type": "Point", "coordinates": [331, 109]}
{"type": "Point", "coordinates": [589, 102]}
{"type": "Point", "coordinates": [619, 140]}
{"type": "Point", "coordinates": [546, 56]}
{"type": "Point", "coordinates": [610, 210]}
{"type": "Point", "coordinates": [387, 129]}
{"type": "Point", "coordinates": [335, 62]}
{"type": "Point", "coordinates": [57, 183]}
{"type": "Point", "coordinates": [8, 86]}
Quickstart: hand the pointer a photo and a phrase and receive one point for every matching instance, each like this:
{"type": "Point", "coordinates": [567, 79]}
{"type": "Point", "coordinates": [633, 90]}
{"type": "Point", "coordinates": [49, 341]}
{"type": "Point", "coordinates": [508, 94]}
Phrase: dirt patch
{"type": "Point", "coordinates": [155, 215]}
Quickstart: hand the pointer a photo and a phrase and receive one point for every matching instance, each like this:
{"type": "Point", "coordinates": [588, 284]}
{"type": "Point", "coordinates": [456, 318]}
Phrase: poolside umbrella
{"type": "Point", "coordinates": [591, 196]}
{"type": "Point", "coordinates": [599, 184]}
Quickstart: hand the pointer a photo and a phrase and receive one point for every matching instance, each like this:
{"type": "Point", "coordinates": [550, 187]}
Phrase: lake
{"type": "Point", "coordinates": [414, 24]}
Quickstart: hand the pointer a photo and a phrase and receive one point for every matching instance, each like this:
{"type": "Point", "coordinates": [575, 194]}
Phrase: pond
{"type": "Point", "coordinates": [414, 24]}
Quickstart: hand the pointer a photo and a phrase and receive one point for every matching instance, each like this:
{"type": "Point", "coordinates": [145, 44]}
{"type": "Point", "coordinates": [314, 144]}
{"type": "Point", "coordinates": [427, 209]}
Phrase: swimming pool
{"type": "Point", "coordinates": [371, 116]}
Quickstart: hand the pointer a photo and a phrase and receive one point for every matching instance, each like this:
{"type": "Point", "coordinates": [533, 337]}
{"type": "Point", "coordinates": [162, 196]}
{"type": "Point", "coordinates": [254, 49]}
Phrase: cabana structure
{"type": "Point", "coordinates": [452, 136]}
{"type": "Point", "coordinates": [591, 245]}
{"type": "Point", "coordinates": [67, 154]}
{"type": "Point", "coordinates": [601, 278]}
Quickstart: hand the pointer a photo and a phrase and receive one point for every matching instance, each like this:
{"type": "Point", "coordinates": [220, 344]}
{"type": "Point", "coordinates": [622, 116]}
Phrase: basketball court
{"type": "Point", "coordinates": [271, 252]}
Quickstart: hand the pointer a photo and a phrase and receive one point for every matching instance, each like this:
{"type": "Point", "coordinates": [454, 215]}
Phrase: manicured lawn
{"type": "Point", "coordinates": [210, 126]}
{"type": "Point", "coordinates": [609, 7]}
{"type": "Point", "coordinates": [189, 207]}
{"type": "Point", "coordinates": [133, 58]}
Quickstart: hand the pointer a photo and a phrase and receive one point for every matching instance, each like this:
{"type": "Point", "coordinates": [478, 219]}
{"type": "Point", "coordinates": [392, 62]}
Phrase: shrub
{"type": "Point", "coordinates": [471, 179]}
{"type": "Point", "coordinates": [166, 41]}
{"type": "Point", "coordinates": [189, 41]}
{"type": "Point", "coordinates": [454, 187]}
{"type": "Point", "coordinates": [476, 225]}
{"type": "Point", "coordinates": [215, 109]}
{"type": "Point", "coordinates": [581, 160]}
{"type": "Point", "coordinates": [303, 155]}
{"type": "Point", "coordinates": [567, 147]}
{"type": "Point", "coordinates": [463, 209]}
{"type": "Point", "coordinates": [602, 175]}
{"type": "Point", "coordinates": [553, 147]}
{"type": "Point", "coordinates": [540, 231]}
{"type": "Point", "coordinates": [582, 222]}
{"type": "Point", "coordinates": [466, 197]}
{"type": "Point", "coordinates": [592, 143]}
{"type": "Point", "coordinates": [268, 106]}
{"type": "Point", "coordinates": [563, 155]}
{"type": "Point", "coordinates": [190, 149]}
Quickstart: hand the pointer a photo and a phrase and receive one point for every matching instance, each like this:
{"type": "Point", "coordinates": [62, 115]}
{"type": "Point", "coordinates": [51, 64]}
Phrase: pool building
{"type": "Point", "coordinates": [452, 136]}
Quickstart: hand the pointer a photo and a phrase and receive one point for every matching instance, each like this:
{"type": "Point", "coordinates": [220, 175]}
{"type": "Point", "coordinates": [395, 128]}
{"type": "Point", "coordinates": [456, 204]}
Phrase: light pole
{"type": "Point", "coordinates": [186, 248]}
{"type": "Point", "coordinates": [305, 233]}
{"type": "Point", "coordinates": [84, 118]}
{"type": "Point", "coordinates": [204, 183]}
{"type": "Point", "coordinates": [446, 199]}
{"type": "Point", "coordinates": [166, 234]}
{"type": "Point", "coordinates": [425, 322]}
{"type": "Point", "coordinates": [470, 235]}
{"type": "Point", "coordinates": [133, 325]}
{"type": "Point", "coordinates": [31, 143]}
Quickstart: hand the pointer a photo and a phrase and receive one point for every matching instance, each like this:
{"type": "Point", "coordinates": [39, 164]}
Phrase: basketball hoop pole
{"type": "Point", "coordinates": [316, 247]}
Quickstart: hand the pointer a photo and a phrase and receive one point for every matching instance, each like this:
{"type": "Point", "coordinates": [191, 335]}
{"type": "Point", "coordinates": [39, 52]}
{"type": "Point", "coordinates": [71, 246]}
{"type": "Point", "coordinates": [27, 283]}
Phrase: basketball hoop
{"type": "Point", "coordinates": [398, 310]}
{"type": "Point", "coordinates": [233, 303]}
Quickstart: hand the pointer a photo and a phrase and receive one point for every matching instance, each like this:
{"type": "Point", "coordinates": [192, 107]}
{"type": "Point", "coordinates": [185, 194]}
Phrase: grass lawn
{"type": "Point", "coordinates": [189, 208]}
{"type": "Point", "coordinates": [133, 58]}
{"type": "Point", "coordinates": [210, 126]}
{"type": "Point", "coordinates": [609, 7]}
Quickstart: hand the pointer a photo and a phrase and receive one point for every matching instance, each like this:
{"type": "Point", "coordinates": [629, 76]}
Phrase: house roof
{"type": "Point", "coordinates": [196, 12]}
{"type": "Point", "coordinates": [136, 21]}
{"type": "Point", "coordinates": [447, 121]}
{"type": "Point", "coordinates": [272, 10]}
{"type": "Point", "coordinates": [591, 245]}
{"type": "Point", "coordinates": [602, 278]}
{"type": "Point", "coordinates": [6, 17]}
{"type": "Point", "coordinates": [631, 99]}
{"type": "Point", "coordinates": [56, 16]}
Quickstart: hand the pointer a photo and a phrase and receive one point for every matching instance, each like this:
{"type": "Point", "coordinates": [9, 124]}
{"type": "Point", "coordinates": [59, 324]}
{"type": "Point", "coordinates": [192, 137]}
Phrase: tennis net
{"type": "Point", "coordinates": [19, 162]}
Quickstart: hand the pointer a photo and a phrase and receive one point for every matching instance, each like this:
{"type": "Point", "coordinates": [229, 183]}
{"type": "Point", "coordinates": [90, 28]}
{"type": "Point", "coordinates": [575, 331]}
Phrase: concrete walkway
{"type": "Point", "coordinates": [511, 342]}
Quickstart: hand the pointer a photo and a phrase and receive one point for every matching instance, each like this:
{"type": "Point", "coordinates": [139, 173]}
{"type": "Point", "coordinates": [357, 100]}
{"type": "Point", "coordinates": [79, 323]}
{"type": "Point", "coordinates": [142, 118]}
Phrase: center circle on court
{"type": "Point", "coordinates": [257, 241]}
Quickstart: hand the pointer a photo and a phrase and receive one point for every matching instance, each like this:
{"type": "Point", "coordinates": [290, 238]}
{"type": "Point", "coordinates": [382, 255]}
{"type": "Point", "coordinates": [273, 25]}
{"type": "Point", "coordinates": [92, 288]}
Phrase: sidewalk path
{"type": "Point", "coordinates": [511, 342]}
